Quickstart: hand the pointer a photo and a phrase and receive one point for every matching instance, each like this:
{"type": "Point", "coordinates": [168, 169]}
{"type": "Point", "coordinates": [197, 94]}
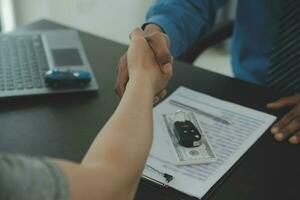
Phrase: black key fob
{"type": "Point", "coordinates": [187, 134]}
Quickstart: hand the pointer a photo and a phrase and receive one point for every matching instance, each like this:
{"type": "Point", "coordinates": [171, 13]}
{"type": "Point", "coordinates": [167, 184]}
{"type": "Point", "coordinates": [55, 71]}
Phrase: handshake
{"type": "Point", "coordinates": [147, 62]}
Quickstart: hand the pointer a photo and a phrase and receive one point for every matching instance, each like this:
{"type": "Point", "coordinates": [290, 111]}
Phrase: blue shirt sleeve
{"type": "Point", "coordinates": [184, 20]}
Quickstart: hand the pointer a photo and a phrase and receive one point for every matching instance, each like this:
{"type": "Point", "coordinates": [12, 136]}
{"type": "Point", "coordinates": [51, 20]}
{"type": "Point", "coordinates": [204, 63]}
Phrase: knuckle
{"type": "Point", "coordinates": [292, 127]}
{"type": "Point", "coordinates": [156, 34]}
{"type": "Point", "coordinates": [161, 36]}
{"type": "Point", "coordinates": [117, 90]}
{"type": "Point", "coordinates": [136, 29]}
{"type": "Point", "coordinates": [117, 84]}
{"type": "Point", "coordinates": [282, 122]}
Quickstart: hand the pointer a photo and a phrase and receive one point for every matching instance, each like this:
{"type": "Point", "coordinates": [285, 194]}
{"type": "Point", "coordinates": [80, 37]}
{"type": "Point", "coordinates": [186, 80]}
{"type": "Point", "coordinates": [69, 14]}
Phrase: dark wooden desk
{"type": "Point", "coordinates": [65, 125]}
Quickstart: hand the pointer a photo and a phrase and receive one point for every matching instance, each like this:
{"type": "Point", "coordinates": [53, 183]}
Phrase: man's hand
{"type": "Point", "coordinates": [289, 125]}
{"type": "Point", "coordinates": [160, 45]}
{"type": "Point", "coordinates": [142, 66]}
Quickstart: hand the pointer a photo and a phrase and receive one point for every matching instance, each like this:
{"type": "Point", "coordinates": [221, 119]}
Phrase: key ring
{"type": "Point", "coordinates": [178, 112]}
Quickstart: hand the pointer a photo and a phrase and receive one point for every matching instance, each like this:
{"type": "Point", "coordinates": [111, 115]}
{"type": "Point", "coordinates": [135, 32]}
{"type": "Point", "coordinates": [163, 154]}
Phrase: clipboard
{"type": "Point", "coordinates": [170, 192]}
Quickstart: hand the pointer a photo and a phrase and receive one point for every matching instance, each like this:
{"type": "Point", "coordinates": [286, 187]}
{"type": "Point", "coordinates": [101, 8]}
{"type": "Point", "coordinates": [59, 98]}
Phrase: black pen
{"type": "Point", "coordinates": [196, 110]}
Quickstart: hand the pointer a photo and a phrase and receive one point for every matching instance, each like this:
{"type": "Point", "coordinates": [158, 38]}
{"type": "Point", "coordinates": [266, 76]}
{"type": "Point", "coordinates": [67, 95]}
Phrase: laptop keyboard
{"type": "Point", "coordinates": [23, 62]}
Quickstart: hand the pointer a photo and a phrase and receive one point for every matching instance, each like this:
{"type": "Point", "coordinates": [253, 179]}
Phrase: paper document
{"type": "Point", "coordinates": [229, 141]}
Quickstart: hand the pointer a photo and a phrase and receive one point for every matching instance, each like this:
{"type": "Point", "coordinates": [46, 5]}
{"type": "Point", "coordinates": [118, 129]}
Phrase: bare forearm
{"type": "Point", "coordinates": [125, 140]}
{"type": "Point", "coordinates": [112, 167]}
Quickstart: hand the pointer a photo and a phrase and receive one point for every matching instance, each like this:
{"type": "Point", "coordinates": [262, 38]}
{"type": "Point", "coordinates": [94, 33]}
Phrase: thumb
{"type": "Point", "coordinates": [137, 48]}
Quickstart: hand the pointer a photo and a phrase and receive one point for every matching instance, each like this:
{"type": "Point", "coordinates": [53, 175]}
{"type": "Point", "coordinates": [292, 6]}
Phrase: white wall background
{"type": "Point", "coordinates": [112, 19]}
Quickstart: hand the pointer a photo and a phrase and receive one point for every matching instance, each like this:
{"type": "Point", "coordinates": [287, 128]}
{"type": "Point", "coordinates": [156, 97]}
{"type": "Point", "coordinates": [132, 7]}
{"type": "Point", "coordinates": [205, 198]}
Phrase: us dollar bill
{"type": "Point", "coordinates": [189, 155]}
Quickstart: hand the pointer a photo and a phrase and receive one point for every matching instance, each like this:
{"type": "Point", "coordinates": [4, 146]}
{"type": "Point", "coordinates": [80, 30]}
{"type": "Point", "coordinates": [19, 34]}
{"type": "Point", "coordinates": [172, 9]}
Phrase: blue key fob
{"type": "Point", "coordinates": [187, 134]}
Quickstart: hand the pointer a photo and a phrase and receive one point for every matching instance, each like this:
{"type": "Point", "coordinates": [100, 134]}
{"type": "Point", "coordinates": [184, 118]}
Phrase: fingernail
{"type": "Point", "coordinates": [279, 137]}
{"type": "Point", "coordinates": [274, 130]}
{"type": "Point", "coordinates": [294, 140]}
{"type": "Point", "coordinates": [270, 105]}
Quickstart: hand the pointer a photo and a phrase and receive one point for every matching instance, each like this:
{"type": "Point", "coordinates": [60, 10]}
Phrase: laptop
{"type": "Point", "coordinates": [25, 58]}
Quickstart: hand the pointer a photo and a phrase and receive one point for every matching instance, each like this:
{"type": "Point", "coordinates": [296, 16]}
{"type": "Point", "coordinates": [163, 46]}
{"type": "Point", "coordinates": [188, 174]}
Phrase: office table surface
{"type": "Point", "coordinates": [65, 125]}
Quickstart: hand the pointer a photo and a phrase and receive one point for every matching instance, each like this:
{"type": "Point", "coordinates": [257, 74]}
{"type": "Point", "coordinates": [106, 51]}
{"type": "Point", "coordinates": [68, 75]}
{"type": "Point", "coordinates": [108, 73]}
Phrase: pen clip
{"type": "Point", "coordinates": [166, 176]}
{"type": "Point", "coordinates": [155, 181]}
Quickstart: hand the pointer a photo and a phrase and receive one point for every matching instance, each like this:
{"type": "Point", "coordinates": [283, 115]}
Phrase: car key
{"type": "Point", "coordinates": [187, 134]}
